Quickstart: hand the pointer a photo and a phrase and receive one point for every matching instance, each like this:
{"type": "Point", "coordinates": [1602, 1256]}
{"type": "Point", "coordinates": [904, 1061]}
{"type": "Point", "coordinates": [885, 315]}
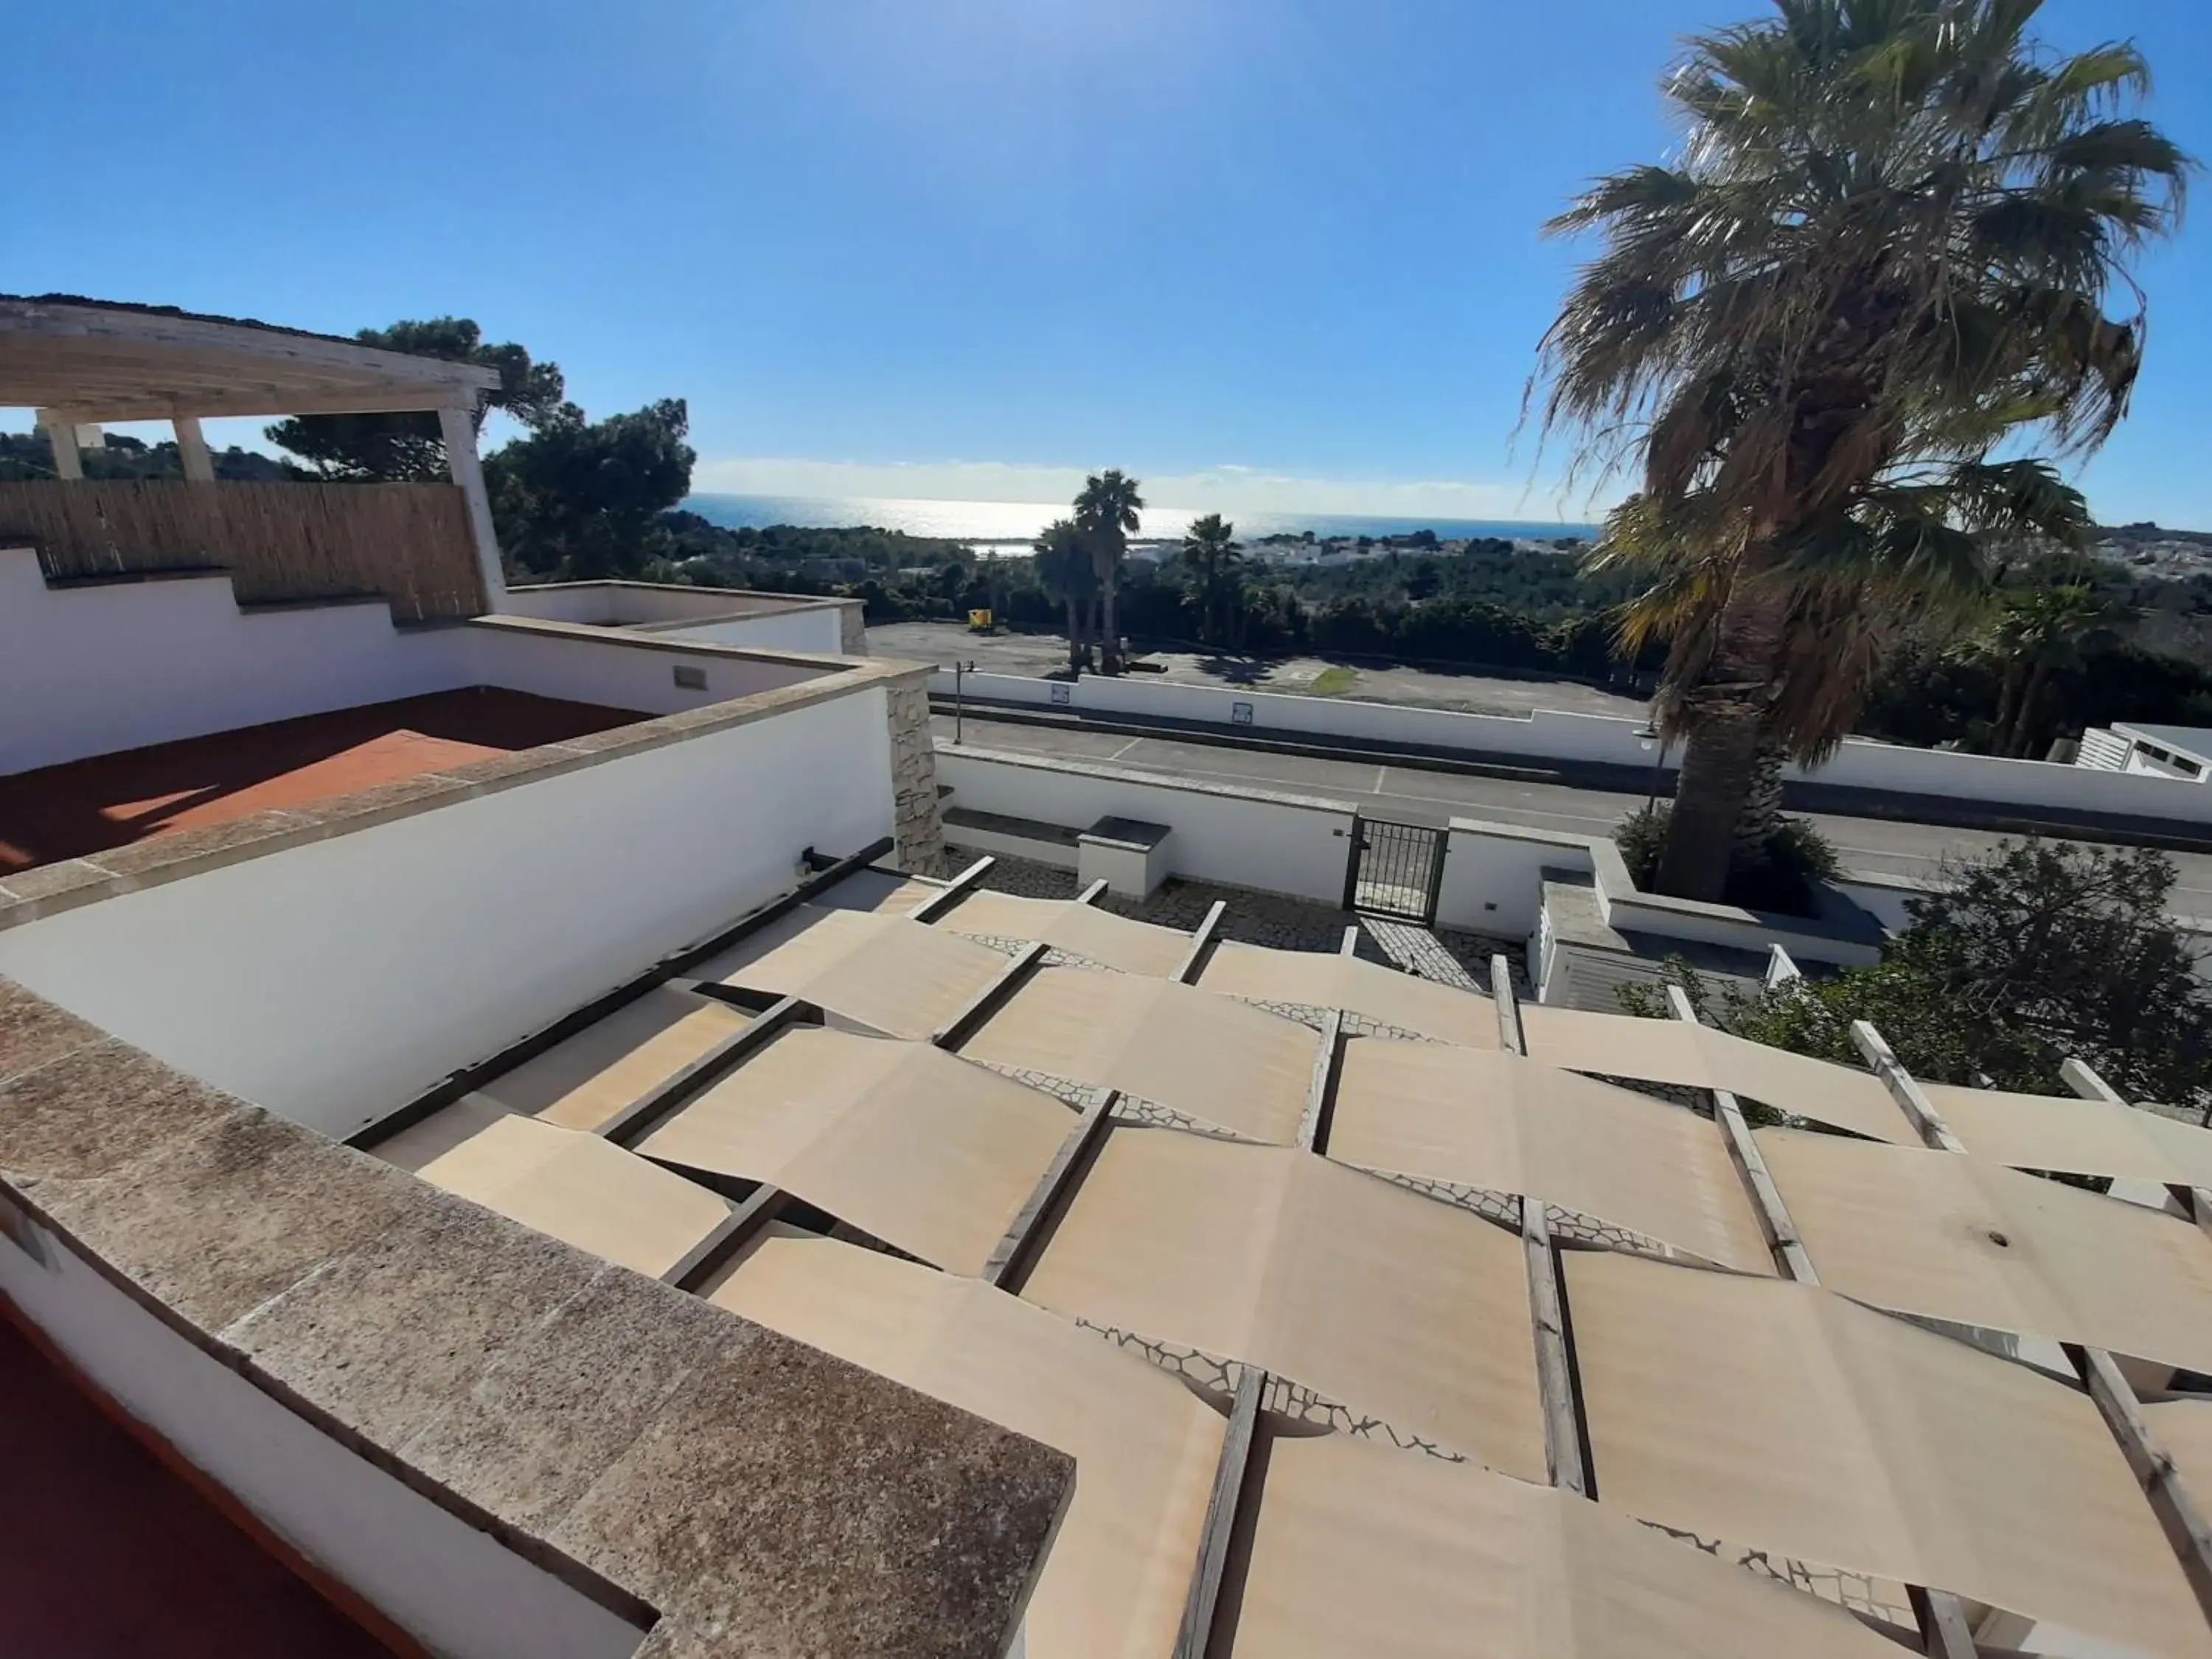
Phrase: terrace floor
{"type": "Point", "coordinates": [111, 800]}
{"type": "Point", "coordinates": [106, 1555]}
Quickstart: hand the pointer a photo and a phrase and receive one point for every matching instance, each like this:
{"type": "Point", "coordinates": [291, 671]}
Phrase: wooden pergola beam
{"type": "Point", "coordinates": [1230, 1477]}
{"type": "Point", "coordinates": [1201, 945]}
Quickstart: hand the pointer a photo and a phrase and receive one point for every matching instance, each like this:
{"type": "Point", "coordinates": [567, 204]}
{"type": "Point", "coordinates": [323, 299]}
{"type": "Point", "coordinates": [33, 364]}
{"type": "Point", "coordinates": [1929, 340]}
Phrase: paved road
{"type": "Point", "coordinates": [1875, 845]}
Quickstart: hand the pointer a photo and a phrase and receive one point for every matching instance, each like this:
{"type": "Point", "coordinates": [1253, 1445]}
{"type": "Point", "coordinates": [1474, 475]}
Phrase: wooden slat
{"type": "Point", "coordinates": [630, 1124]}
{"type": "Point", "coordinates": [2179, 1516]}
{"type": "Point", "coordinates": [1221, 1512]}
{"type": "Point", "coordinates": [1093, 893]}
{"type": "Point", "coordinates": [1012, 1256]}
{"type": "Point", "coordinates": [2083, 1078]}
{"type": "Point", "coordinates": [1320, 1086]}
{"type": "Point", "coordinates": [702, 1259]}
{"type": "Point", "coordinates": [1908, 1094]}
{"type": "Point", "coordinates": [953, 892]}
{"type": "Point", "coordinates": [1349, 945]}
{"type": "Point", "coordinates": [988, 1001]}
{"type": "Point", "coordinates": [1945, 1632]}
{"type": "Point", "coordinates": [1563, 1440]}
{"type": "Point", "coordinates": [1509, 1007]}
{"type": "Point", "coordinates": [1201, 945]}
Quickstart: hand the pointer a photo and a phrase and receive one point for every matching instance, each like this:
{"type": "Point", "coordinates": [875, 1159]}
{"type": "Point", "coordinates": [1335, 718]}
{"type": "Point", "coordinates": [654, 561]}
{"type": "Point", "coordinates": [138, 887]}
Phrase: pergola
{"type": "Point", "coordinates": [79, 362]}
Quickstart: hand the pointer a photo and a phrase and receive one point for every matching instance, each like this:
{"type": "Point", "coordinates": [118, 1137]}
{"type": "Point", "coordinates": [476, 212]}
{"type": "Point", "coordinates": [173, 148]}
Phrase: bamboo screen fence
{"type": "Point", "coordinates": [407, 542]}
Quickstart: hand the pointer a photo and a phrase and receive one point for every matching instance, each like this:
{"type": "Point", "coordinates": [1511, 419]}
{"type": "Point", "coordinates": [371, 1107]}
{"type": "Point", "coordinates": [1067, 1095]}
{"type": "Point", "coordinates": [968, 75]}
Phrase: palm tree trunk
{"type": "Point", "coordinates": [2023, 715]}
{"type": "Point", "coordinates": [1074, 635]}
{"type": "Point", "coordinates": [1109, 647]}
{"type": "Point", "coordinates": [1752, 849]}
{"type": "Point", "coordinates": [1724, 714]}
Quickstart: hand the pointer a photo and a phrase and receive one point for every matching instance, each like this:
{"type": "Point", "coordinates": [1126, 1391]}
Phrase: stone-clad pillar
{"type": "Point", "coordinates": [853, 628]}
{"type": "Point", "coordinates": [918, 821]}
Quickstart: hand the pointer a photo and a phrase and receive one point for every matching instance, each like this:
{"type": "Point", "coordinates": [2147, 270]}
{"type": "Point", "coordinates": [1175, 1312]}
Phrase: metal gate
{"type": "Point", "coordinates": [1393, 869]}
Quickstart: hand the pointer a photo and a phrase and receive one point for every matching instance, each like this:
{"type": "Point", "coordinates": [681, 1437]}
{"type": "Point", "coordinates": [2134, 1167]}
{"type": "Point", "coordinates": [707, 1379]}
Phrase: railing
{"type": "Point", "coordinates": [407, 542]}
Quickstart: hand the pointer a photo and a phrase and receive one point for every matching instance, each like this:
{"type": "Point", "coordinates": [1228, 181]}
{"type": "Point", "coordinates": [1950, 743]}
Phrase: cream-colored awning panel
{"type": "Point", "coordinates": [1321, 980]}
{"type": "Point", "coordinates": [2184, 1428]}
{"type": "Point", "coordinates": [2079, 1137]}
{"type": "Point", "coordinates": [1145, 1446]}
{"type": "Point", "coordinates": [1359, 1550]}
{"type": "Point", "coordinates": [1699, 1057]}
{"type": "Point", "coordinates": [1497, 1121]}
{"type": "Point", "coordinates": [580, 1082]}
{"type": "Point", "coordinates": [1211, 1056]}
{"type": "Point", "coordinates": [1785, 1417]}
{"type": "Point", "coordinates": [1390, 1304]}
{"type": "Point", "coordinates": [580, 1190]}
{"type": "Point", "coordinates": [926, 1151]}
{"type": "Point", "coordinates": [1967, 1240]}
{"type": "Point", "coordinates": [898, 975]}
{"type": "Point", "coordinates": [1134, 947]}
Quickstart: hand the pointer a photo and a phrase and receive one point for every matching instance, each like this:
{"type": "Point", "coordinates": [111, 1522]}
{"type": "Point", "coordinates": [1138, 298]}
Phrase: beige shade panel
{"type": "Point", "coordinates": [1314, 979]}
{"type": "Point", "coordinates": [1967, 1240]}
{"type": "Point", "coordinates": [1497, 1121]}
{"type": "Point", "coordinates": [2184, 1428]}
{"type": "Point", "coordinates": [579, 1188]}
{"type": "Point", "coordinates": [1388, 1303]}
{"type": "Point", "coordinates": [580, 1082]}
{"type": "Point", "coordinates": [896, 974]}
{"type": "Point", "coordinates": [1211, 1056]}
{"type": "Point", "coordinates": [878, 891]}
{"type": "Point", "coordinates": [1145, 1446]}
{"type": "Point", "coordinates": [1699, 1057]}
{"type": "Point", "coordinates": [1134, 947]}
{"type": "Point", "coordinates": [925, 1150]}
{"type": "Point", "coordinates": [1785, 1417]}
{"type": "Point", "coordinates": [2079, 1137]}
{"type": "Point", "coordinates": [1358, 1549]}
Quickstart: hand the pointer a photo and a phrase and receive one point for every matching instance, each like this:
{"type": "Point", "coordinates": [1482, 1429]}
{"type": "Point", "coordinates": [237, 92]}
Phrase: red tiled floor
{"type": "Point", "coordinates": [105, 1553]}
{"type": "Point", "coordinates": [66, 811]}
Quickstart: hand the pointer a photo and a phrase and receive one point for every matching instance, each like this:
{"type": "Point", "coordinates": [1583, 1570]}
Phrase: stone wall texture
{"type": "Point", "coordinates": [852, 630]}
{"type": "Point", "coordinates": [918, 818]}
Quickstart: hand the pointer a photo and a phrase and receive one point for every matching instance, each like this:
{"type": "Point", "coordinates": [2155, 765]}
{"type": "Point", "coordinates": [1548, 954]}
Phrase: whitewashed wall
{"type": "Point", "coordinates": [334, 980]}
{"type": "Point", "coordinates": [1279, 844]}
{"type": "Point", "coordinates": [1493, 875]}
{"type": "Point", "coordinates": [615, 670]}
{"type": "Point", "coordinates": [773, 630]}
{"type": "Point", "coordinates": [447, 1585]}
{"type": "Point", "coordinates": [1547, 735]}
{"type": "Point", "coordinates": [88, 670]}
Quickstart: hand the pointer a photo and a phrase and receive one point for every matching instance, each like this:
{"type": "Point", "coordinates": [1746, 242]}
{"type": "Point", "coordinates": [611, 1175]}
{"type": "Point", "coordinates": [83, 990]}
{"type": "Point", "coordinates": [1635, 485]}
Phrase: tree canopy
{"type": "Point", "coordinates": [407, 447]}
{"type": "Point", "coordinates": [578, 499]}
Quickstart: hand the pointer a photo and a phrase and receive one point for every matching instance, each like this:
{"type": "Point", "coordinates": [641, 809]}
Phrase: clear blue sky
{"type": "Point", "coordinates": [951, 247]}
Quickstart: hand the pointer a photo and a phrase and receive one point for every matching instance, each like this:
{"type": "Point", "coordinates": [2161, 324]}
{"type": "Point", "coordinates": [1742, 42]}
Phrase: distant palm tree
{"type": "Point", "coordinates": [1213, 558]}
{"type": "Point", "coordinates": [1063, 569]}
{"type": "Point", "coordinates": [1885, 250]}
{"type": "Point", "coordinates": [2035, 633]}
{"type": "Point", "coordinates": [1106, 512]}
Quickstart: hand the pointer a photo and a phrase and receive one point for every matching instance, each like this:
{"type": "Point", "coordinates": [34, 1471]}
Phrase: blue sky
{"type": "Point", "coordinates": [1265, 254]}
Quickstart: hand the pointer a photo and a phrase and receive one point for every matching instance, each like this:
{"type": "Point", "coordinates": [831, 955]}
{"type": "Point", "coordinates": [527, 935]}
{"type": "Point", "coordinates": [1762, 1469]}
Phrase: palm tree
{"type": "Point", "coordinates": [1106, 512]}
{"type": "Point", "coordinates": [1886, 250]}
{"type": "Point", "coordinates": [1064, 571]}
{"type": "Point", "coordinates": [1209, 549]}
{"type": "Point", "coordinates": [2034, 633]}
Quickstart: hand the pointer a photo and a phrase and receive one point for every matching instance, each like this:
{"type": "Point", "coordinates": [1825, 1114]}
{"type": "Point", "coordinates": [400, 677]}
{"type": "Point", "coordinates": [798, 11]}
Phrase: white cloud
{"type": "Point", "coordinates": [1228, 488]}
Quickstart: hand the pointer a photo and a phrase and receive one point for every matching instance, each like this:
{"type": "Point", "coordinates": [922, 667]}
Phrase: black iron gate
{"type": "Point", "coordinates": [1393, 869]}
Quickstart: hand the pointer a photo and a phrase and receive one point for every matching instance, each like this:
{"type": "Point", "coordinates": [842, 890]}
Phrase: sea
{"type": "Point", "coordinates": [1008, 526]}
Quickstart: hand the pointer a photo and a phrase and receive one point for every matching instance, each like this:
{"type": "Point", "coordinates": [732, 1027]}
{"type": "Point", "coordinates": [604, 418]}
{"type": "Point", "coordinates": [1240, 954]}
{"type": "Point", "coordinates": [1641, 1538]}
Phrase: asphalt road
{"type": "Point", "coordinates": [1874, 846]}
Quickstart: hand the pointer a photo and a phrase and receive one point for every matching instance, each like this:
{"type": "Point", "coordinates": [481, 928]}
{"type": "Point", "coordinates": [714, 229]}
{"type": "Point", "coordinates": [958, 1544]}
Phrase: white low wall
{"type": "Point", "coordinates": [452, 1587]}
{"type": "Point", "coordinates": [721, 615]}
{"type": "Point", "coordinates": [1277, 843]}
{"type": "Point", "coordinates": [334, 980]}
{"type": "Point", "coordinates": [774, 631]}
{"type": "Point", "coordinates": [619, 670]}
{"type": "Point", "coordinates": [1604, 738]}
{"type": "Point", "coordinates": [89, 670]}
{"type": "Point", "coordinates": [1493, 875]}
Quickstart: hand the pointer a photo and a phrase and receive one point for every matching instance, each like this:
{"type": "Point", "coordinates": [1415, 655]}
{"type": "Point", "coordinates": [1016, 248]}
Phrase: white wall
{"type": "Point", "coordinates": [1276, 844]}
{"type": "Point", "coordinates": [333, 981]}
{"type": "Point", "coordinates": [1494, 875]}
{"type": "Point", "coordinates": [449, 1585]}
{"type": "Point", "coordinates": [88, 670]}
{"type": "Point", "coordinates": [773, 630]}
{"type": "Point", "coordinates": [614, 670]}
{"type": "Point", "coordinates": [1549, 735]}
